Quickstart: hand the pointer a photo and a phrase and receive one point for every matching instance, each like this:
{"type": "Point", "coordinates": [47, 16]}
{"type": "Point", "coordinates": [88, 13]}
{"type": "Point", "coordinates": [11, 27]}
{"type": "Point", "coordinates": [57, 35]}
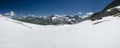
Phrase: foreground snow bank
{"type": "Point", "coordinates": [104, 34]}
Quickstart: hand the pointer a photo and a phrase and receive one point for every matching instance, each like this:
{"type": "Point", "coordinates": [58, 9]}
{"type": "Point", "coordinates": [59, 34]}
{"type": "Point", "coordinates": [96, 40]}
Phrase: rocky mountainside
{"type": "Point", "coordinates": [106, 12]}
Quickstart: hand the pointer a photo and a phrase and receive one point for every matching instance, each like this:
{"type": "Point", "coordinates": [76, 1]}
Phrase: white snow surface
{"type": "Point", "coordinates": [16, 34]}
{"type": "Point", "coordinates": [117, 7]}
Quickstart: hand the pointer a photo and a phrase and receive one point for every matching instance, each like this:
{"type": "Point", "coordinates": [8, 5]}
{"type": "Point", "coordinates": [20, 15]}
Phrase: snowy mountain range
{"type": "Point", "coordinates": [50, 20]}
{"type": "Point", "coordinates": [109, 10]}
{"type": "Point", "coordinates": [103, 32]}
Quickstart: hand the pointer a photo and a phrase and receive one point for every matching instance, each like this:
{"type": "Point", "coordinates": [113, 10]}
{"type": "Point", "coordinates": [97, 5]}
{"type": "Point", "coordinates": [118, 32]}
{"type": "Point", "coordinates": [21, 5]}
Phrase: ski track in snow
{"type": "Point", "coordinates": [16, 34]}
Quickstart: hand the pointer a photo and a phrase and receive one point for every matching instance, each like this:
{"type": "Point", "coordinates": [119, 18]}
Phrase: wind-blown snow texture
{"type": "Point", "coordinates": [103, 33]}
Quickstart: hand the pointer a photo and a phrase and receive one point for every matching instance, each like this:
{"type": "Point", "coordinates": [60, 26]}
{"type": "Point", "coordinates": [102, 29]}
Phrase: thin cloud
{"type": "Point", "coordinates": [11, 13]}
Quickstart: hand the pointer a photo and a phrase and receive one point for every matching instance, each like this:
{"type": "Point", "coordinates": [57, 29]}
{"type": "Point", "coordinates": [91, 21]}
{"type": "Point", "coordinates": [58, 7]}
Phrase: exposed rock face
{"type": "Point", "coordinates": [105, 13]}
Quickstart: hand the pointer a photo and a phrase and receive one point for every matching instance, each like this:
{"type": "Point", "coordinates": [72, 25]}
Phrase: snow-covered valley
{"type": "Point", "coordinates": [103, 33]}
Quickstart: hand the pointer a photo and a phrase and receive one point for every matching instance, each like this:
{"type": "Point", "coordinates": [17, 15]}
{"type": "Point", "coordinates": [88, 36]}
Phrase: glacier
{"type": "Point", "coordinates": [87, 34]}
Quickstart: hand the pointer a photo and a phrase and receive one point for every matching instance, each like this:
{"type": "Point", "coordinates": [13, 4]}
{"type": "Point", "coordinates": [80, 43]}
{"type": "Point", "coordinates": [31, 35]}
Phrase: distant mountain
{"type": "Point", "coordinates": [50, 20]}
{"type": "Point", "coordinates": [115, 9]}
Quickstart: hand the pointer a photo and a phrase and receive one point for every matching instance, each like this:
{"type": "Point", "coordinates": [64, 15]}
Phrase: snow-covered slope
{"type": "Point", "coordinates": [117, 7]}
{"type": "Point", "coordinates": [103, 33]}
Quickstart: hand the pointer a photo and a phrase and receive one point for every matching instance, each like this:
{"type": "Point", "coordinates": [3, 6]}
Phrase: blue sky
{"type": "Point", "coordinates": [49, 7]}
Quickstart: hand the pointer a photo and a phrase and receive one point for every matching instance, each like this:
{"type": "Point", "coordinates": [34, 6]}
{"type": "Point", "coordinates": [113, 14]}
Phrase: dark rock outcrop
{"type": "Point", "coordinates": [105, 13]}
